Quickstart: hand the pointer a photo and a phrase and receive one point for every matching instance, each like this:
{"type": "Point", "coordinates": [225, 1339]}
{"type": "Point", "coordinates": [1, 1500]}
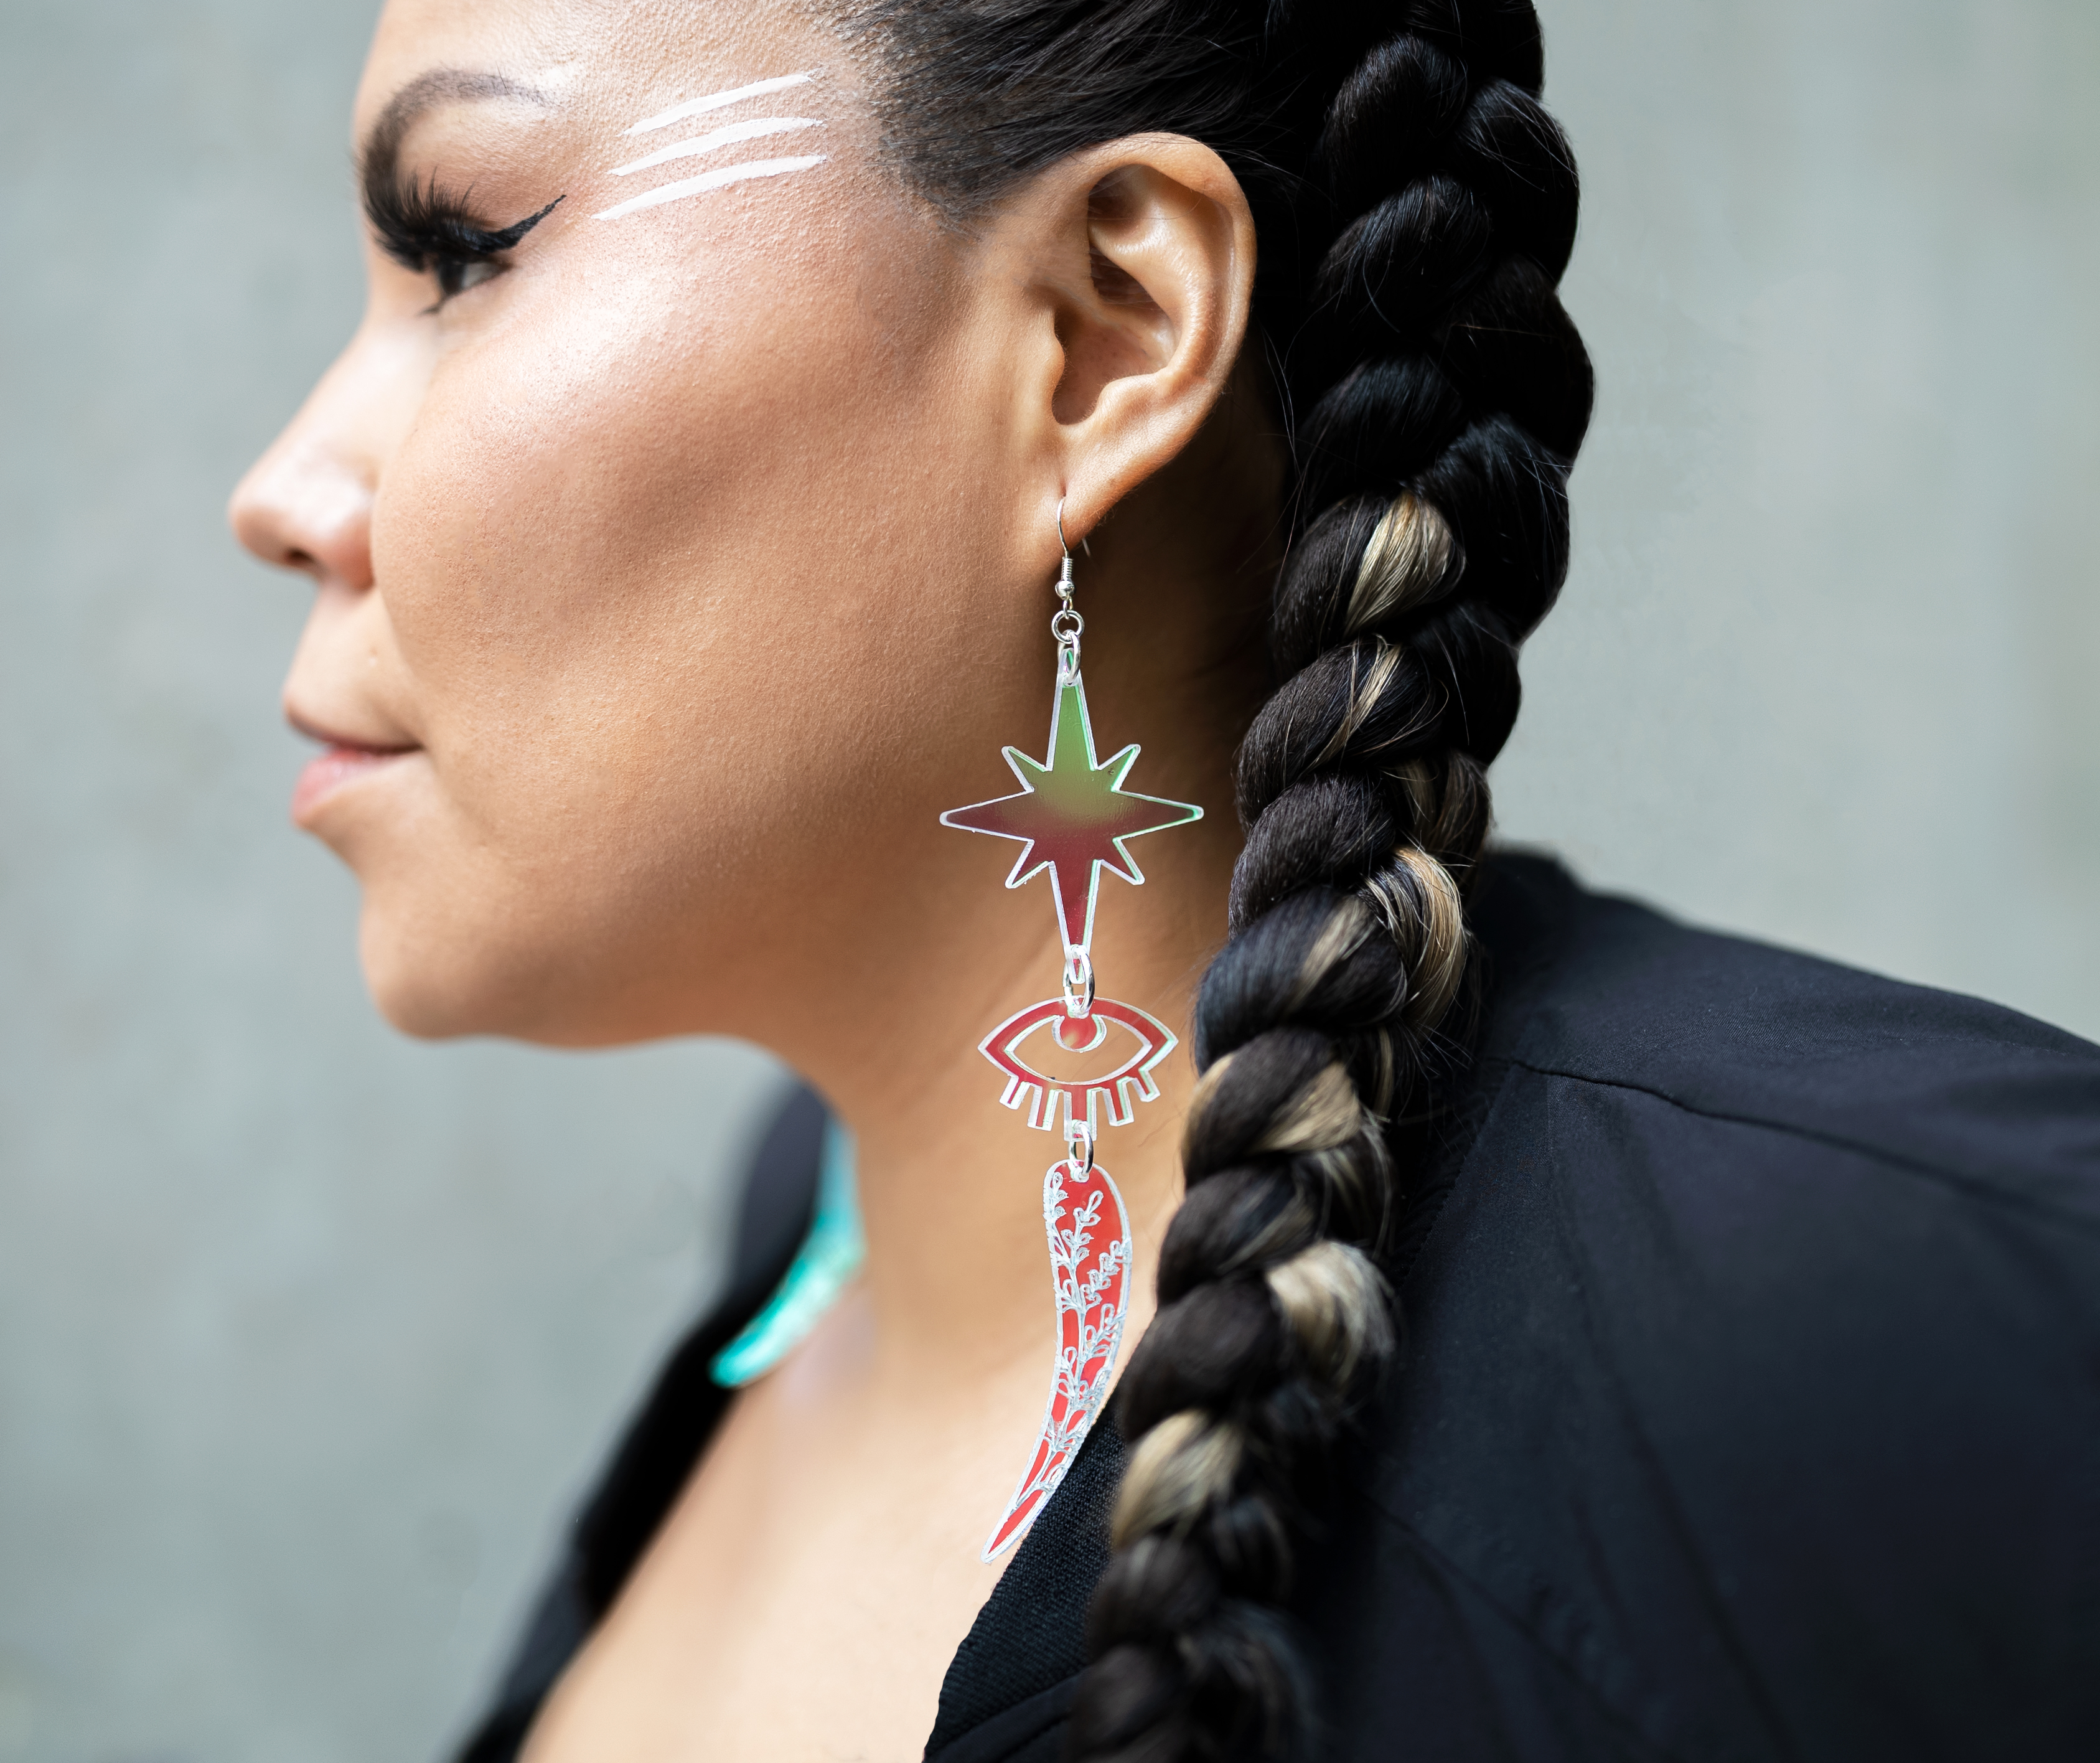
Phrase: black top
{"type": "Point", "coordinates": [1750, 1405]}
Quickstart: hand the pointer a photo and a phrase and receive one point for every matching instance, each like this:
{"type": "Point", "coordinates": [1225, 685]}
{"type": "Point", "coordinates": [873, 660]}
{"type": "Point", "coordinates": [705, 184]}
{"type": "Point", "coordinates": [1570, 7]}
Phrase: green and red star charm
{"type": "Point", "coordinates": [1073, 815]}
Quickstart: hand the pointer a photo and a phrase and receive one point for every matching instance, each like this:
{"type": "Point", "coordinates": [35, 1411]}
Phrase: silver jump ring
{"type": "Point", "coordinates": [1078, 983]}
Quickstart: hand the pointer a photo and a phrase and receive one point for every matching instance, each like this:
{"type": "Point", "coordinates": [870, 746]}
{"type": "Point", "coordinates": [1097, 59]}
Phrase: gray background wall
{"type": "Point", "coordinates": [307, 1335]}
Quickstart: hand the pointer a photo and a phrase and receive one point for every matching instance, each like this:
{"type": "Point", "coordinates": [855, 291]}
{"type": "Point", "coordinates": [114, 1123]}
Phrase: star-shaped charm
{"type": "Point", "coordinates": [1072, 815]}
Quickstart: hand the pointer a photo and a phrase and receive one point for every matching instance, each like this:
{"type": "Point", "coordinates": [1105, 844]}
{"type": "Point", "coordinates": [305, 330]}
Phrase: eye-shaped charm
{"type": "Point", "coordinates": [1130, 1042]}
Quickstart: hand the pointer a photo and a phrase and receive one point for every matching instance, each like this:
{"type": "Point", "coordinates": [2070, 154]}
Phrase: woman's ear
{"type": "Point", "coordinates": [1141, 256]}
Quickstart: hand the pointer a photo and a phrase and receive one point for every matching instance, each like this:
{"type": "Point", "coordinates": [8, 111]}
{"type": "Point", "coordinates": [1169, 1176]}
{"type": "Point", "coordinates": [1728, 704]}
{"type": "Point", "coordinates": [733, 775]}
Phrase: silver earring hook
{"type": "Point", "coordinates": [1085, 549]}
{"type": "Point", "coordinates": [1066, 623]}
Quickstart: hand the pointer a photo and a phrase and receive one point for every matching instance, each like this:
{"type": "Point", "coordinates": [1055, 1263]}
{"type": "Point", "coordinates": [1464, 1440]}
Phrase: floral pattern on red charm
{"type": "Point", "coordinates": [1090, 1265]}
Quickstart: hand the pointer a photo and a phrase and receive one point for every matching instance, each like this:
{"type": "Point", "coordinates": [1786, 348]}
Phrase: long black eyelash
{"type": "Point", "coordinates": [423, 227]}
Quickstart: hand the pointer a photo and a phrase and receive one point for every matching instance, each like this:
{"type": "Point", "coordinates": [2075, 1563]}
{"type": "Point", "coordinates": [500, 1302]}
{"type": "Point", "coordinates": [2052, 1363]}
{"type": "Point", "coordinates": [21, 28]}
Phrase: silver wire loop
{"type": "Point", "coordinates": [1078, 983]}
{"type": "Point", "coordinates": [1079, 1144]}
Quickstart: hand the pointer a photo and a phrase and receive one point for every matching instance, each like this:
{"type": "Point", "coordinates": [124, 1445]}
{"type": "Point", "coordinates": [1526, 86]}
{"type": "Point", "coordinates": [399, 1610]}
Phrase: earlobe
{"type": "Point", "coordinates": [1151, 324]}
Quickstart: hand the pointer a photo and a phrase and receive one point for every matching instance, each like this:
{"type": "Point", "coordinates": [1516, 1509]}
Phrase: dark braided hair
{"type": "Point", "coordinates": [1415, 208]}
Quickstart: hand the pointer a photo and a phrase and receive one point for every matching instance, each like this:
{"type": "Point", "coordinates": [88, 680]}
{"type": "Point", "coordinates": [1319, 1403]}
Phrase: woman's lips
{"type": "Point", "coordinates": [338, 767]}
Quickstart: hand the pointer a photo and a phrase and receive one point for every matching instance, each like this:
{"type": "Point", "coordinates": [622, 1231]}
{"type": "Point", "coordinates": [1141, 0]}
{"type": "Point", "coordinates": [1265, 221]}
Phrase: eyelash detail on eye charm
{"type": "Point", "coordinates": [1116, 1089]}
{"type": "Point", "coordinates": [713, 142]}
{"type": "Point", "coordinates": [429, 231]}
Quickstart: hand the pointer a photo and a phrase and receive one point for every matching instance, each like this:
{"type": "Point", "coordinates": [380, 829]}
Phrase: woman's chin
{"type": "Point", "coordinates": [418, 999]}
{"type": "Point", "coordinates": [439, 986]}
{"type": "Point", "coordinates": [440, 982]}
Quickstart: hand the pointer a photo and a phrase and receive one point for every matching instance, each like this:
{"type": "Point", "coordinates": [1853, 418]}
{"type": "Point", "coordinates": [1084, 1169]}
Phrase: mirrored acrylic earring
{"type": "Point", "coordinates": [1072, 818]}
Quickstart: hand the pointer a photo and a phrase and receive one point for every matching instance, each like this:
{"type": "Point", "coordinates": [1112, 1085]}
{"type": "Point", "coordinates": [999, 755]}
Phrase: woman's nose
{"type": "Point", "coordinates": [307, 503]}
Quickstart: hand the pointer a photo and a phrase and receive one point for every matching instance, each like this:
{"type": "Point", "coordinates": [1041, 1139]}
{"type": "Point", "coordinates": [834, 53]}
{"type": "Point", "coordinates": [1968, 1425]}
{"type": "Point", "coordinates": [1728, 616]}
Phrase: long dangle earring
{"type": "Point", "coordinates": [1072, 817]}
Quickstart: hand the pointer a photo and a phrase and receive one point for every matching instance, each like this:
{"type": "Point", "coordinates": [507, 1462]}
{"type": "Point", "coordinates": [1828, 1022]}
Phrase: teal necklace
{"type": "Point", "coordinates": [830, 1256]}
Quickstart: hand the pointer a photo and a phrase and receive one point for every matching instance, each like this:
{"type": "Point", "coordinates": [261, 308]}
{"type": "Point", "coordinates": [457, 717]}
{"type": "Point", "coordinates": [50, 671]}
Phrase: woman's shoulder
{"type": "Point", "coordinates": [1747, 1407]}
{"type": "Point", "coordinates": [1655, 1026]}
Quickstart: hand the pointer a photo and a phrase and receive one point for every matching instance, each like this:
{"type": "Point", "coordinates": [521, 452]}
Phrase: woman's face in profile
{"type": "Point", "coordinates": [626, 534]}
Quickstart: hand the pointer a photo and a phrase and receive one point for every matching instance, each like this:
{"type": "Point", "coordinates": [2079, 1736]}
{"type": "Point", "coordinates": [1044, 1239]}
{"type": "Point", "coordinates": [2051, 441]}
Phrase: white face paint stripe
{"type": "Point", "coordinates": [707, 144]}
{"type": "Point", "coordinates": [711, 180]}
{"type": "Point", "coordinates": [694, 107]}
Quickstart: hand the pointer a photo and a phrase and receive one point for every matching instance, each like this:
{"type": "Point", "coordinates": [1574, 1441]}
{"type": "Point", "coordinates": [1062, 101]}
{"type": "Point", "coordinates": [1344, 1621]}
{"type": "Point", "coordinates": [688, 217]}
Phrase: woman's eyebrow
{"type": "Point", "coordinates": [428, 90]}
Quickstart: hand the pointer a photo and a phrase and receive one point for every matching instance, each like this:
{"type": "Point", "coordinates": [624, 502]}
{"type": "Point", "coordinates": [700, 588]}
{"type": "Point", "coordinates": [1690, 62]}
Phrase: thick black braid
{"type": "Point", "coordinates": [1416, 207]}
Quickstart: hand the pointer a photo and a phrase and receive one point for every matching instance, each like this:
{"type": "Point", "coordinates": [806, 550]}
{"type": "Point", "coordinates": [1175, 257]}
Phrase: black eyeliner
{"type": "Point", "coordinates": [427, 229]}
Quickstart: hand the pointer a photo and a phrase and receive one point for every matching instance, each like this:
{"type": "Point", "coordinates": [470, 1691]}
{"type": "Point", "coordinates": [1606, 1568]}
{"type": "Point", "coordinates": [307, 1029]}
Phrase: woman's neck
{"type": "Point", "coordinates": [1173, 591]}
